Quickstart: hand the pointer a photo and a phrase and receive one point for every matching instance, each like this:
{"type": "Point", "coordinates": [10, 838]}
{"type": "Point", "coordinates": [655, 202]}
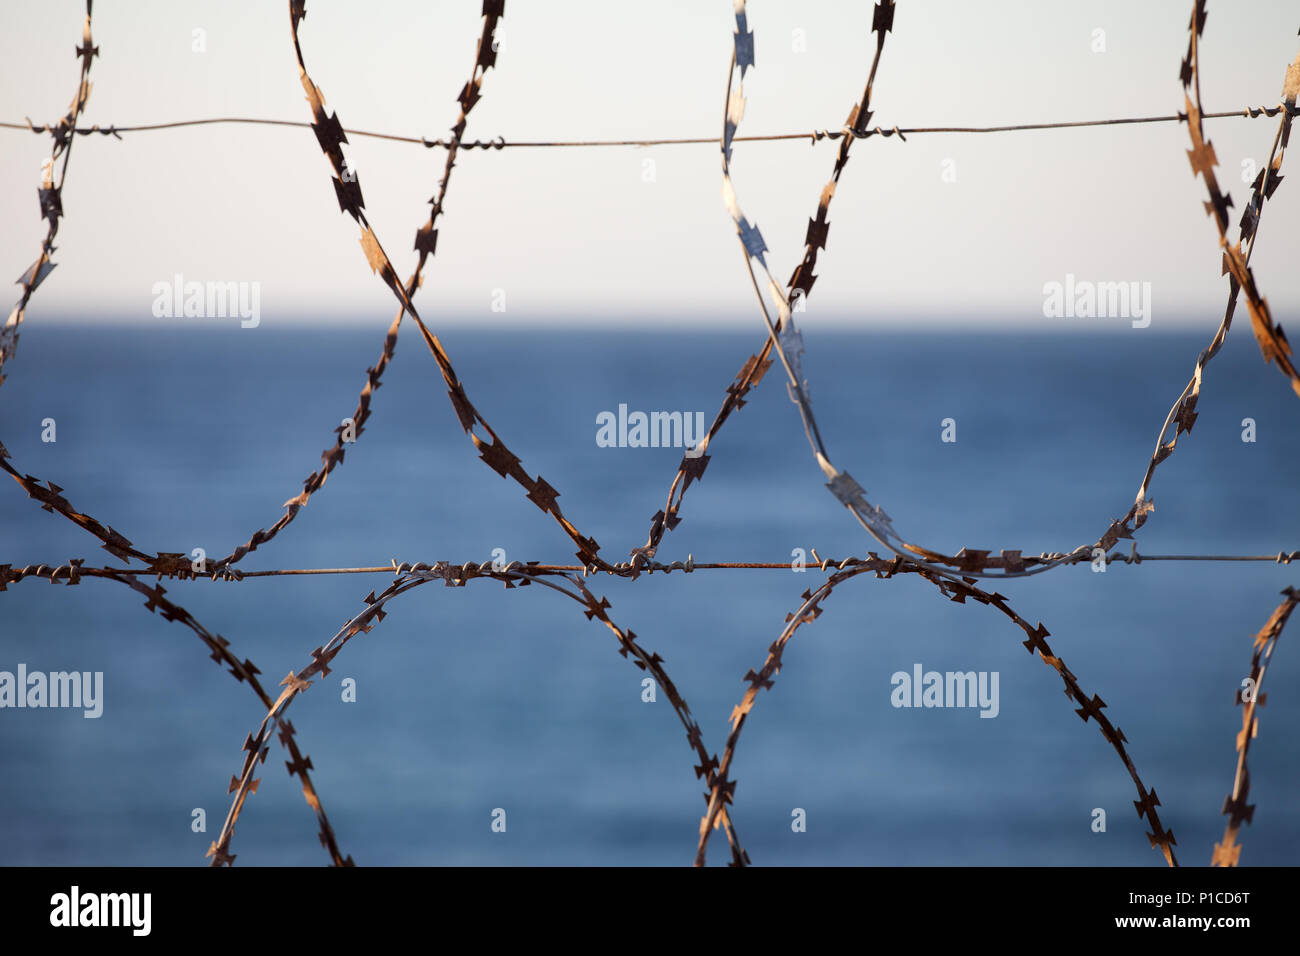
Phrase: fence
{"type": "Point", "coordinates": [958, 577]}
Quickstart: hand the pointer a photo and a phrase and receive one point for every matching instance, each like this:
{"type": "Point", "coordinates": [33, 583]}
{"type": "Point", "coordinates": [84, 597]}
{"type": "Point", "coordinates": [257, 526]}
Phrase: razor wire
{"type": "Point", "coordinates": [1235, 807]}
{"type": "Point", "coordinates": [954, 576]}
{"type": "Point", "coordinates": [722, 790]}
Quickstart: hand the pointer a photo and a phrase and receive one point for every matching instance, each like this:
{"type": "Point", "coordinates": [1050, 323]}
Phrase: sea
{"type": "Point", "coordinates": [480, 725]}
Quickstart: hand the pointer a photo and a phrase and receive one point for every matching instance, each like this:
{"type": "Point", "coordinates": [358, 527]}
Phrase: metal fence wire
{"type": "Point", "coordinates": [961, 577]}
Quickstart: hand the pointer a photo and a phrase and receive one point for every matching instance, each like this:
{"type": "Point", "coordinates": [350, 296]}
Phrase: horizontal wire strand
{"type": "Point", "coordinates": [815, 135]}
{"type": "Point", "coordinates": [1134, 557]}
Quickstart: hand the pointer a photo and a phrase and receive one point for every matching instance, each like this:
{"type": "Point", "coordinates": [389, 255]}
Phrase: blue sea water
{"type": "Point", "coordinates": [478, 698]}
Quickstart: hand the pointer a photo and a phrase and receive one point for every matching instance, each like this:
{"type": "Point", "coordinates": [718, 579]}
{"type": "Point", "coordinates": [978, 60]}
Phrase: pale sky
{"type": "Point", "coordinates": [578, 234]}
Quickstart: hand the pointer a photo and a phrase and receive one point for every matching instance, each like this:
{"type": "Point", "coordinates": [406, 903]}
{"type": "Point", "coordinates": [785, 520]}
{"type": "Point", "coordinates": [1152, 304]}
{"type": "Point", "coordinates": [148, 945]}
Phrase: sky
{"type": "Point", "coordinates": [599, 236]}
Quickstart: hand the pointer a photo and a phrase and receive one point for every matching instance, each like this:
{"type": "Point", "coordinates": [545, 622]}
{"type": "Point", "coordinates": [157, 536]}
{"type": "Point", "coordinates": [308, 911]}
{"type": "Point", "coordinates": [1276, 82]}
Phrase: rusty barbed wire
{"type": "Point", "coordinates": [707, 769]}
{"type": "Point", "coordinates": [244, 671]}
{"type": "Point", "coordinates": [51, 194]}
{"type": "Point", "coordinates": [957, 591]}
{"type": "Point", "coordinates": [330, 136]}
{"type": "Point", "coordinates": [721, 788]}
{"type": "Point", "coordinates": [1183, 413]}
{"type": "Point", "coordinates": [722, 792]}
{"type": "Point", "coordinates": [751, 373]}
{"type": "Point", "coordinates": [787, 341]}
{"type": "Point", "coordinates": [1228, 852]}
{"type": "Point", "coordinates": [692, 467]}
{"type": "Point", "coordinates": [114, 542]}
{"type": "Point", "coordinates": [299, 765]}
{"type": "Point", "coordinates": [175, 564]}
{"type": "Point", "coordinates": [957, 581]}
{"type": "Point", "coordinates": [1272, 341]}
{"type": "Point", "coordinates": [500, 142]}
{"type": "Point", "coordinates": [408, 577]}
{"type": "Point", "coordinates": [51, 204]}
{"type": "Point", "coordinates": [426, 241]}
{"type": "Point", "coordinates": [11, 575]}
{"type": "Point", "coordinates": [257, 749]}
{"type": "Point", "coordinates": [782, 336]}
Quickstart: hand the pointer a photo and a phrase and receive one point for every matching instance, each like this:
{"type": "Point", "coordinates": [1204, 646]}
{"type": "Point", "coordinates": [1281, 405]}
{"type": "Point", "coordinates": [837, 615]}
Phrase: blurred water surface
{"type": "Point", "coordinates": [475, 698]}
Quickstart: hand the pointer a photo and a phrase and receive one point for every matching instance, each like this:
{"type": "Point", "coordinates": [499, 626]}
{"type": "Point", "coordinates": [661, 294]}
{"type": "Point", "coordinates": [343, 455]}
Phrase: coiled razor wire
{"type": "Point", "coordinates": [954, 576]}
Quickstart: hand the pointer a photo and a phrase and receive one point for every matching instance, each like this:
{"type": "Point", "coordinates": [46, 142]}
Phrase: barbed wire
{"type": "Point", "coordinates": [76, 567]}
{"type": "Point", "coordinates": [954, 576]}
{"type": "Point", "coordinates": [813, 136]}
{"type": "Point", "coordinates": [329, 133]}
{"type": "Point", "coordinates": [512, 575]}
{"type": "Point", "coordinates": [244, 671]}
{"type": "Point", "coordinates": [782, 335]}
{"type": "Point", "coordinates": [787, 341]}
{"type": "Point", "coordinates": [348, 190]}
{"type": "Point", "coordinates": [1228, 852]}
{"type": "Point", "coordinates": [299, 765]}
{"type": "Point", "coordinates": [1182, 415]}
{"type": "Point", "coordinates": [1272, 341]}
{"type": "Point", "coordinates": [51, 195]}
{"type": "Point", "coordinates": [496, 456]}
{"type": "Point", "coordinates": [958, 591]}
